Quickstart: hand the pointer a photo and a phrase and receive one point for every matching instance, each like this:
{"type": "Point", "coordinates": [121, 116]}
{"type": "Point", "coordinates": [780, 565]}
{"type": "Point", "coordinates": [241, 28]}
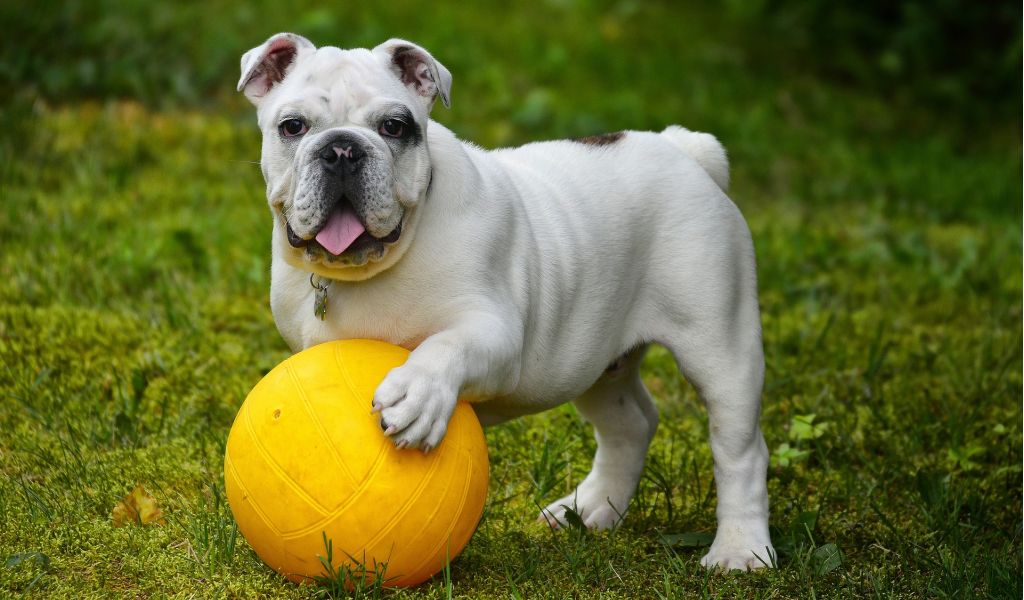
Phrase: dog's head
{"type": "Point", "coordinates": [345, 156]}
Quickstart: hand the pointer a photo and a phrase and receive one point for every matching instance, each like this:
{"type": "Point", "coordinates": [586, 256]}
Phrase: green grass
{"type": "Point", "coordinates": [134, 257]}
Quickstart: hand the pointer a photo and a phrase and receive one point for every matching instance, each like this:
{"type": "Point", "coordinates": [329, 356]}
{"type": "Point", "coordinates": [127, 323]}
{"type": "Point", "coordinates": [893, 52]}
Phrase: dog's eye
{"type": "Point", "coordinates": [293, 127]}
{"type": "Point", "coordinates": [392, 128]}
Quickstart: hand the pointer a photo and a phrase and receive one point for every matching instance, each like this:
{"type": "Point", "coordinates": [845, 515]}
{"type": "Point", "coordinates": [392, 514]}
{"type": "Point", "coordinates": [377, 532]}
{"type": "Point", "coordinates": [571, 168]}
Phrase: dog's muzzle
{"type": "Point", "coordinates": [297, 242]}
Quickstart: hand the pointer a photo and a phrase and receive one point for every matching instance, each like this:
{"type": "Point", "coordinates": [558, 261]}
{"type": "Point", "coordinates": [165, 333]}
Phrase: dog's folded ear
{"type": "Point", "coordinates": [417, 69]}
{"type": "Point", "coordinates": [266, 65]}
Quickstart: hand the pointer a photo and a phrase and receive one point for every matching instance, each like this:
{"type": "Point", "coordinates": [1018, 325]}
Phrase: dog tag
{"type": "Point", "coordinates": [320, 304]}
{"type": "Point", "coordinates": [319, 296]}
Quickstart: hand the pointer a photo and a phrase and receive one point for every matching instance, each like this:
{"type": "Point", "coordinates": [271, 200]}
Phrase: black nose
{"type": "Point", "coordinates": [340, 156]}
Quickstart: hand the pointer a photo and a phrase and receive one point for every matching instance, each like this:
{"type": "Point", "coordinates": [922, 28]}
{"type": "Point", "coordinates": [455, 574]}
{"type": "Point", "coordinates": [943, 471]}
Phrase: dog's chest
{"type": "Point", "coordinates": [362, 312]}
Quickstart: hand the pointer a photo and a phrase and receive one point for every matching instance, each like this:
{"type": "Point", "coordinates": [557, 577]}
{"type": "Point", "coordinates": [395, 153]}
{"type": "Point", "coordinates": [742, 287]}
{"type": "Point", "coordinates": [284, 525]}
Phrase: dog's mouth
{"type": "Point", "coordinates": [343, 235]}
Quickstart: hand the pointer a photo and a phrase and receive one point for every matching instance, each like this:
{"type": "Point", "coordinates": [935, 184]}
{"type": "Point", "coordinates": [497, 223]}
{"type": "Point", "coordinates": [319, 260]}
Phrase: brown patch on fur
{"type": "Point", "coordinates": [603, 139]}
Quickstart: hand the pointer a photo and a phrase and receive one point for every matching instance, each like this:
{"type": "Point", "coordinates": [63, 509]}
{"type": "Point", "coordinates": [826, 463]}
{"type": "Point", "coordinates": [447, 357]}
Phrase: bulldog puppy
{"type": "Point", "coordinates": [522, 278]}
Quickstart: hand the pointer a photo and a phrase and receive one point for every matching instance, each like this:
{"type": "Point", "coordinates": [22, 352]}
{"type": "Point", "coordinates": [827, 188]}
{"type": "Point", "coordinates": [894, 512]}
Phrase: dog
{"type": "Point", "coordinates": [520, 278]}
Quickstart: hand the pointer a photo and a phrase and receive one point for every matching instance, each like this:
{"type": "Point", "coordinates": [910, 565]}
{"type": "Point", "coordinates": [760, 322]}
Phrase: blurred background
{"type": "Point", "coordinates": [777, 80]}
{"type": "Point", "coordinates": [876, 154]}
{"type": "Point", "coordinates": [894, 114]}
{"type": "Point", "coordinates": [954, 55]}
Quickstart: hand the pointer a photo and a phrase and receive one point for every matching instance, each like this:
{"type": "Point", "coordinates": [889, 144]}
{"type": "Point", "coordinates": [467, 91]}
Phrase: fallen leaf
{"type": "Point", "coordinates": [826, 559]}
{"type": "Point", "coordinates": [16, 559]}
{"type": "Point", "coordinates": [138, 508]}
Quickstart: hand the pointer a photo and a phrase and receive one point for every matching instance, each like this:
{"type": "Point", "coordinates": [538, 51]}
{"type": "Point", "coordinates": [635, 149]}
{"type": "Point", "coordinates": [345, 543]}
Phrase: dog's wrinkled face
{"type": "Point", "coordinates": [344, 148]}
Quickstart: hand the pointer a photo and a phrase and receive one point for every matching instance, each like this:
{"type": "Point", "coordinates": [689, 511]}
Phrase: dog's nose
{"type": "Point", "coordinates": [337, 156]}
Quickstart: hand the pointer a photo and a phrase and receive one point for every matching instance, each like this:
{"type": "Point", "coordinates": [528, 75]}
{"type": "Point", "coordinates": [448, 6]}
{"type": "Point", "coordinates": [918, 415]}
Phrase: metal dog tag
{"type": "Point", "coordinates": [320, 286]}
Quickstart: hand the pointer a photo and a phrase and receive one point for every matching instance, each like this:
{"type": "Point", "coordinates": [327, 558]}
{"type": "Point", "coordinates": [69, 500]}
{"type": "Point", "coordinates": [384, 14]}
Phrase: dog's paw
{"type": "Point", "coordinates": [414, 407]}
{"type": "Point", "coordinates": [733, 550]}
{"type": "Point", "coordinates": [600, 505]}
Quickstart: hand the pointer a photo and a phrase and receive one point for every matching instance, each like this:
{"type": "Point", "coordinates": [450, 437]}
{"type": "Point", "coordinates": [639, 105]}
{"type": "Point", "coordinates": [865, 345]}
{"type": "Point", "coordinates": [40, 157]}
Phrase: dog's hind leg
{"type": "Point", "coordinates": [717, 346]}
{"type": "Point", "coordinates": [624, 420]}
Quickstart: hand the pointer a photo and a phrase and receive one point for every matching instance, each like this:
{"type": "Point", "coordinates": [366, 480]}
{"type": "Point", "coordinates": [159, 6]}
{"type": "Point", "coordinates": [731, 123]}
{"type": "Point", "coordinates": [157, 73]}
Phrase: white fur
{"type": "Point", "coordinates": [524, 273]}
{"type": "Point", "coordinates": [703, 148]}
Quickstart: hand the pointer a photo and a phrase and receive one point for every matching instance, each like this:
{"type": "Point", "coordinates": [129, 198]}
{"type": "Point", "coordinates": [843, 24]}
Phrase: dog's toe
{"type": "Point", "coordinates": [736, 559]}
{"type": "Point", "coordinates": [415, 408]}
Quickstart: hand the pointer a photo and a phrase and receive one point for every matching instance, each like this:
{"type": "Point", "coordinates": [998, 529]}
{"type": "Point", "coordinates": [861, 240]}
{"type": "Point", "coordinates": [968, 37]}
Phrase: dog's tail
{"type": "Point", "coordinates": [703, 148]}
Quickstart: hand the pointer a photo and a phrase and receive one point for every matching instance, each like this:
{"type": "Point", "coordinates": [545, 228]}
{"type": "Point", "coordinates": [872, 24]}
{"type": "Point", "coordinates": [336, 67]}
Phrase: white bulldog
{"type": "Point", "coordinates": [522, 278]}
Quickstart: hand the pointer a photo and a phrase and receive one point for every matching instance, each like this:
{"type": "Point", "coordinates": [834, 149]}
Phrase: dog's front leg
{"type": "Point", "coordinates": [480, 355]}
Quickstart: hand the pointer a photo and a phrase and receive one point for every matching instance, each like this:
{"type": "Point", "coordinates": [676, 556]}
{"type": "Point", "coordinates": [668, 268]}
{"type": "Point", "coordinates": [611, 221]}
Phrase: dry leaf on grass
{"type": "Point", "coordinates": [138, 508]}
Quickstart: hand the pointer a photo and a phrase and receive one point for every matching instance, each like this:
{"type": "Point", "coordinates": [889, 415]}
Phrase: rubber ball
{"type": "Point", "coordinates": [309, 474]}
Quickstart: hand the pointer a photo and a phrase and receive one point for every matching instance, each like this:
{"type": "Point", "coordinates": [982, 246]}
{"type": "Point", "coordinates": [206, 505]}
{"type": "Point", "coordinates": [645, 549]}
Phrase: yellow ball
{"type": "Point", "coordinates": [306, 459]}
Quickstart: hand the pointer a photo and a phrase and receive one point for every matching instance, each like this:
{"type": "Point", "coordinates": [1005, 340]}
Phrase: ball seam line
{"type": "Point", "coordinates": [319, 425]}
{"type": "Point", "coordinates": [228, 463]}
{"type": "Point", "coordinates": [360, 486]}
{"type": "Point", "coordinates": [446, 538]}
{"type": "Point", "coordinates": [331, 515]}
{"type": "Point", "coordinates": [406, 506]}
{"type": "Point", "coordinates": [279, 471]}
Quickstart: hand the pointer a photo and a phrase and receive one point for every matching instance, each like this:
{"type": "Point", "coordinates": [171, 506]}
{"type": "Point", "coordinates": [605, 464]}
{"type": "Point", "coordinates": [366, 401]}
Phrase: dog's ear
{"type": "Point", "coordinates": [265, 66]}
{"type": "Point", "coordinates": [417, 69]}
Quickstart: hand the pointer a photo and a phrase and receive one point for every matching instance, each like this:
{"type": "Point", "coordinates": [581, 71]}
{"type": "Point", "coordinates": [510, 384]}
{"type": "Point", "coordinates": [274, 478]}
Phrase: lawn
{"type": "Point", "coordinates": [134, 316]}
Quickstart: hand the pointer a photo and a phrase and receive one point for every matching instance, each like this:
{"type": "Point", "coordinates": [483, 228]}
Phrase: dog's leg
{"type": "Point", "coordinates": [720, 353]}
{"type": "Point", "coordinates": [624, 420]}
{"type": "Point", "coordinates": [477, 356]}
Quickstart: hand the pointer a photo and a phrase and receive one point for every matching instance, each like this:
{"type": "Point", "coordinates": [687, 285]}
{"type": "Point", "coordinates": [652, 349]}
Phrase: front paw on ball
{"type": "Point", "coordinates": [414, 408]}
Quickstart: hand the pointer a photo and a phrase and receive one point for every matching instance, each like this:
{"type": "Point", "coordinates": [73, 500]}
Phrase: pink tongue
{"type": "Point", "coordinates": [342, 228]}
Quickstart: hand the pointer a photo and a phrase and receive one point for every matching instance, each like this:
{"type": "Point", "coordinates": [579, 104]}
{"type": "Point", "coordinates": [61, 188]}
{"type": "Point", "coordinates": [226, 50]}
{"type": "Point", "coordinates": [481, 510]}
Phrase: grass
{"type": "Point", "coordinates": [134, 253]}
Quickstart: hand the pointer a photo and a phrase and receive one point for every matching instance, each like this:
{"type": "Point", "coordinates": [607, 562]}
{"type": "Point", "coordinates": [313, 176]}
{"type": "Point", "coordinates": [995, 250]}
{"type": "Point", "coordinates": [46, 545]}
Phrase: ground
{"type": "Point", "coordinates": [134, 318]}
